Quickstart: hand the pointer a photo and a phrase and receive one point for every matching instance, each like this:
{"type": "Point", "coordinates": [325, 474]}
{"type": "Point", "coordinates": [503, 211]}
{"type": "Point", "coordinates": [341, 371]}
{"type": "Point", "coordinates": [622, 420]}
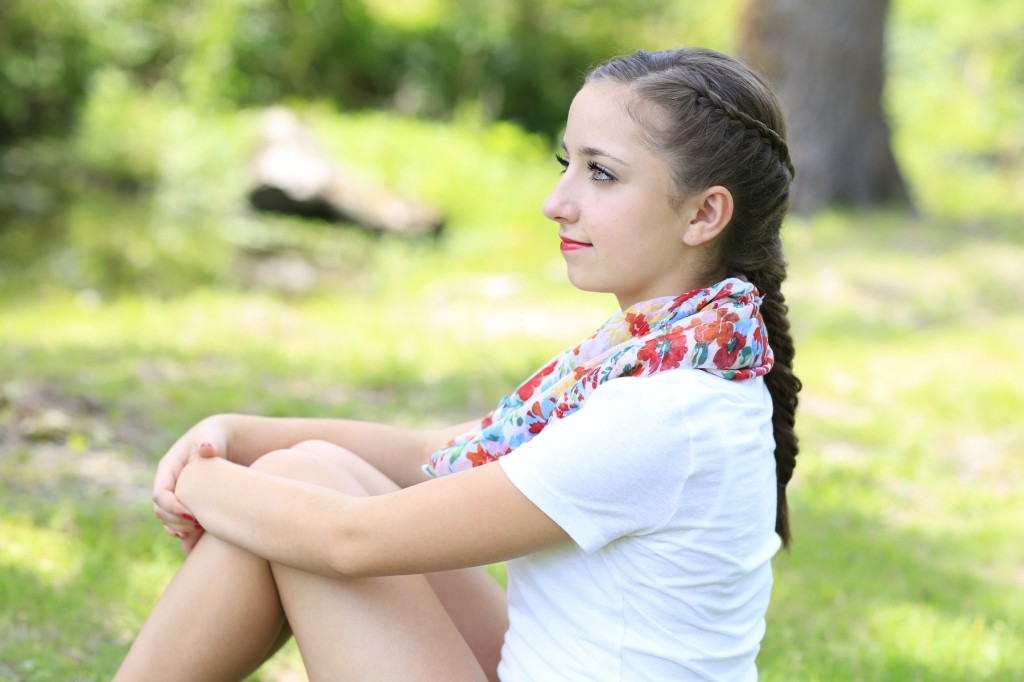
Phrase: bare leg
{"type": "Point", "coordinates": [208, 628]}
{"type": "Point", "coordinates": [374, 629]}
{"type": "Point", "coordinates": [475, 602]}
{"type": "Point", "coordinates": [392, 627]}
{"type": "Point", "coordinates": [205, 627]}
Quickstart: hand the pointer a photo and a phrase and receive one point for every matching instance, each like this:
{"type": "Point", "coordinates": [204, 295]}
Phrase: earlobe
{"type": "Point", "coordinates": [708, 212]}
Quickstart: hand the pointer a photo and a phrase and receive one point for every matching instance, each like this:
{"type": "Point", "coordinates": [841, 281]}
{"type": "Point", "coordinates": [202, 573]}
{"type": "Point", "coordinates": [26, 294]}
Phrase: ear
{"type": "Point", "coordinates": [706, 213]}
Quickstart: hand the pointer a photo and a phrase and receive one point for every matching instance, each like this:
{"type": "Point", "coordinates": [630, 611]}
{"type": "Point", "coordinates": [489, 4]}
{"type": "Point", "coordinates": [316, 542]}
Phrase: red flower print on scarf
{"type": "Point", "coordinates": [562, 409]}
{"type": "Point", "coordinates": [664, 352]}
{"type": "Point", "coordinates": [526, 390]}
{"type": "Point", "coordinates": [590, 376]}
{"type": "Point", "coordinates": [725, 356]}
{"type": "Point", "coordinates": [718, 331]}
{"type": "Point", "coordinates": [535, 417]}
{"type": "Point", "coordinates": [480, 456]}
{"type": "Point", "coordinates": [637, 325]}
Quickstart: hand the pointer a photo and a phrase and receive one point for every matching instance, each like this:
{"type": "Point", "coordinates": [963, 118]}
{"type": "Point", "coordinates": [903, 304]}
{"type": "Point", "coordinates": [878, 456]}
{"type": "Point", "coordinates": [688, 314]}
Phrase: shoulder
{"type": "Point", "coordinates": [704, 412]}
{"type": "Point", "coordinates": [679, 392]}
{"type": "Point", "coordinates": [671, 410]}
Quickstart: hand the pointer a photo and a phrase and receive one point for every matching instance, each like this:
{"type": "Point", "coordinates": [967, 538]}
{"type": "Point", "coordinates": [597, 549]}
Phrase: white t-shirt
{"type": "Point", "coordinates": [667, 486]}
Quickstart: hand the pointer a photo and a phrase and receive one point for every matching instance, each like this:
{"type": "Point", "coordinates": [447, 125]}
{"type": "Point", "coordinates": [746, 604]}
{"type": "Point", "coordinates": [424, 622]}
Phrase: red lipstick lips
{"type": "Point", "coordinates": [573, 245]}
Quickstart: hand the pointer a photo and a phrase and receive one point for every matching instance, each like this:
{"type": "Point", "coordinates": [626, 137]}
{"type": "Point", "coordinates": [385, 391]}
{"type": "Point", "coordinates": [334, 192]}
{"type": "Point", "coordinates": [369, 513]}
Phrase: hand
{"type": "Point", "coordinates": [208, 438]}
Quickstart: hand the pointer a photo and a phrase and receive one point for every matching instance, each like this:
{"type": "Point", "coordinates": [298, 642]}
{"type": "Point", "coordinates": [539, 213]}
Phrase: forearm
{"type": "Point", "coordinates": [315, 528]}
{"type": "Point", "coordinates": [322, 530]}
{"type": "Point", "coordinates": [282, 520]}
{"type": "Point", "coordinates": [396, 451]}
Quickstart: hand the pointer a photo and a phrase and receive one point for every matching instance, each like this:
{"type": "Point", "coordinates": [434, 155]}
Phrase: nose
{"type": "Point", "coordinates": [559, 206]}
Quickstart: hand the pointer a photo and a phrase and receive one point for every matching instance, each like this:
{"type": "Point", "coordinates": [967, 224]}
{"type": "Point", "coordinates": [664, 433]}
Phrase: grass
{"type": "Point", "coordinates": [909, 493]}
{"type": "Point", "coordinates": [121, 325]}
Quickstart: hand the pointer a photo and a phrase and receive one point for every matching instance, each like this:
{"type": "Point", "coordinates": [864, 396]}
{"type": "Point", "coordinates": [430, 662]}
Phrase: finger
{"type": "Point", "coordinates": [180, 534]}
{"type": "Point", "coordinates": [167, 501]}
{"type": "Point", "coordinates": [164, 479]}
{"type": "Point", "coordinates": [207, 449]}
{"type": "Point", "coordinates": [170, 520]}
{"type": "Point", "coordinates": [176, 523]}
{"type": "Point", "coordinates": [211, 441]}
{"type": "Point", "coordinates": [189, 542]}
{"type": "Point", "coordinates": [196, 526]}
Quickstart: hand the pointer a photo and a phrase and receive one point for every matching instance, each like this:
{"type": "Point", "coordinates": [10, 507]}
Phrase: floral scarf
{"type": "Point", "coordinates": [718, 330]}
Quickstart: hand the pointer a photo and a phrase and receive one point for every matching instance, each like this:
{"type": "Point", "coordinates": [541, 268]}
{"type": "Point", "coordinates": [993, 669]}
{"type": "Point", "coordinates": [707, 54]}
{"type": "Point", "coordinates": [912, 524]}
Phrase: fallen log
{"type": "Point", "coordinates": [290, 175]}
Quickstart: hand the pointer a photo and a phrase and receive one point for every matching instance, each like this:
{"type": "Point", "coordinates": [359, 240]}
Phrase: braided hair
{"type": "Point", "coordinates": [718, 123]}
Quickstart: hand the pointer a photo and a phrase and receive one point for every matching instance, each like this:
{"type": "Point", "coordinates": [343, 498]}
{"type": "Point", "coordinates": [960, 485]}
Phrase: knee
{"type": "Point", "coordinates": [319, 447]}
{"type": "Point", "coordinates": [332, 453]}
{"type": "Point", "coordinates": [281, 462]}
{"type": "Point", "coordinates": [306, 466]}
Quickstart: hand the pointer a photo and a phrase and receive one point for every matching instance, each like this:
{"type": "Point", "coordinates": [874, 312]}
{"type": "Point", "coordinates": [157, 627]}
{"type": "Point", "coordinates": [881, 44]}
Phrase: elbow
{"type": "Point", "coordinates": [349, 556]}
{"type": "Point", "coordinates": [343, 566]}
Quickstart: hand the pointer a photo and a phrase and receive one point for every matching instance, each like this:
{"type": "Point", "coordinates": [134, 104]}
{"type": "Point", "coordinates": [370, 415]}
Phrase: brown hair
{"type": "Point", "coordinates": [719, 123]}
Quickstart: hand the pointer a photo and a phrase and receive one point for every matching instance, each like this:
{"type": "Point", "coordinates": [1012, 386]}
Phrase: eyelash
{"type": "Point", "coordinates": [594, 168]}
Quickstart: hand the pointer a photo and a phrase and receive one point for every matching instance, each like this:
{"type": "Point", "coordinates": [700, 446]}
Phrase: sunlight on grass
{"type": "Point", "coordinates": [48, 555]}
{"type": "Point", "coordinates": [948, 645]}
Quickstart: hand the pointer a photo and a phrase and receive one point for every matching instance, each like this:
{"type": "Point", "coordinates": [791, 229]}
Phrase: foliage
{"type": "Point", "coordinates": [956, 98]}
{"type": "Point", "coordinates": [45, 61]}
{"type": "Point", "coordinates": [519, 58]}
{"type": "Point", "coordinates": [114, 80]}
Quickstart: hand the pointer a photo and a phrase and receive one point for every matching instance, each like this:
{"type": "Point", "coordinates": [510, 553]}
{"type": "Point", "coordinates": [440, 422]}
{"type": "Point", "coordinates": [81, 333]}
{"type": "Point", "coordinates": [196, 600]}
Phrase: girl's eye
{"type": "Point", "coordinates": [599, 173]}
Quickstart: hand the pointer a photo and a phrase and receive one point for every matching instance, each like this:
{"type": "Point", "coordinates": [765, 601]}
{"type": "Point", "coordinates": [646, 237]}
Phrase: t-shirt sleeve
{"type": "Point", "coordinates": [614, 468]}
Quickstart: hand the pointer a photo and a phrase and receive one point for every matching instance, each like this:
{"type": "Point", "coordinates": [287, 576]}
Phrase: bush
{"type": "Point", "coordinates": [45, 63]}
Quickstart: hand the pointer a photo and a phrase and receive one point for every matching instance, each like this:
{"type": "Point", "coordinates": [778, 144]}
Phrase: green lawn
{"type": "Point", "coordinates": [132, 323]}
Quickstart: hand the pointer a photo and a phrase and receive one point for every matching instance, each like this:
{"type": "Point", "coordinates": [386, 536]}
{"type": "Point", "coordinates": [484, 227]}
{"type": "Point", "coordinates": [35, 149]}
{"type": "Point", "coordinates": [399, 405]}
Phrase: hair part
{"type": "Point", "coordinates": [717, 122]}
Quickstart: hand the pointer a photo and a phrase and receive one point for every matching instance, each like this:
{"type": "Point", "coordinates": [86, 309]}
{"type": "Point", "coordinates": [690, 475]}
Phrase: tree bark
{"type": "Point", "coordinates": [826, 61]}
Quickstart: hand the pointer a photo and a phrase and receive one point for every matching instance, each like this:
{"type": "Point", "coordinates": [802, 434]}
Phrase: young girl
{"type": "Point", "coordinates": [635, 484]}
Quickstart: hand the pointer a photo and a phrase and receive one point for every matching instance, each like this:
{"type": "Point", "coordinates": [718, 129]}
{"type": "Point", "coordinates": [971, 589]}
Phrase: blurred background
{"type": "Point", "coordinates": [332, 208]}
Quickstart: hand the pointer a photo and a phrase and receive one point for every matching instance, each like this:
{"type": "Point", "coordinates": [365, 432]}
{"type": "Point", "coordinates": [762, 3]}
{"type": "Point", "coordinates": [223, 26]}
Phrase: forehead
{"type": "Point", "coordinates": [599, 110]}
{"type": "Point", "coordinates": [610, 118]}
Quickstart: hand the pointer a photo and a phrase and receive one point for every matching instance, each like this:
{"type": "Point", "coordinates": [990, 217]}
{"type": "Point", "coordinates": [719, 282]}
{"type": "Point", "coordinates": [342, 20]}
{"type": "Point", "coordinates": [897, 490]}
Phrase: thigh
{"type": "Point", "coordinates": [472, 598]}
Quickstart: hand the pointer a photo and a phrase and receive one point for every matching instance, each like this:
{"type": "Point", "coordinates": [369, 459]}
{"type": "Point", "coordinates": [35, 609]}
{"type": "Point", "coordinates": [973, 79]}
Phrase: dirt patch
{"type": "Point", "coordinates": [54, 443]}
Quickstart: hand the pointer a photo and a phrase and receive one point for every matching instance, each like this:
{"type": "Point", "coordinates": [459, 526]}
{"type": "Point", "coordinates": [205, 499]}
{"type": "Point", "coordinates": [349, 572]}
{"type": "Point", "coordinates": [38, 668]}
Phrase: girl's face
{"type": "Point", "coordinates": [620, 232]}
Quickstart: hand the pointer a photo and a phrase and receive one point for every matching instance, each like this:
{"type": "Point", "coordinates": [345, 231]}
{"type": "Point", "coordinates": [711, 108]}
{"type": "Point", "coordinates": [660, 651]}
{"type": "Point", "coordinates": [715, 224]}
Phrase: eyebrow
{"type": "Point", "coordinates": [594, 151]}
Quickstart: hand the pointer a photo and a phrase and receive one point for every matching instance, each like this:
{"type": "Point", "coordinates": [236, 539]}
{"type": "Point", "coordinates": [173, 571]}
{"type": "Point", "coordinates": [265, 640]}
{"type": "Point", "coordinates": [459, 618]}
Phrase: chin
{"type": "Point", "coordinates": [582, 284]}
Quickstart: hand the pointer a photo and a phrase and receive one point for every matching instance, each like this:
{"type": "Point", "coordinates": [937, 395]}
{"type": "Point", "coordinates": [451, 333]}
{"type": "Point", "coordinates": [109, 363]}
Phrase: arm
{"type": "Point", "coordinates": [444, 523]}
{"type": "Point", "coordinates": [397, 452]}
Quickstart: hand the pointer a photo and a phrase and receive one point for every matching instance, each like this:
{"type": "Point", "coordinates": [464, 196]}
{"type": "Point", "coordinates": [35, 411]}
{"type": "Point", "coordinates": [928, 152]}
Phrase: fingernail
{"type": "Point", "coordinates": [189, 517]}
{"type": "Point", "coordinates": [180, 536]}
{"type": "Point", "coordinates": [198, 527]}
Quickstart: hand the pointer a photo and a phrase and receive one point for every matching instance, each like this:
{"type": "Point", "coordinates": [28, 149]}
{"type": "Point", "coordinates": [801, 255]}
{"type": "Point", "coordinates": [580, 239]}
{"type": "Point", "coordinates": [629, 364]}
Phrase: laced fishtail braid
{"type": "Point", "coordinates": [718, 123]}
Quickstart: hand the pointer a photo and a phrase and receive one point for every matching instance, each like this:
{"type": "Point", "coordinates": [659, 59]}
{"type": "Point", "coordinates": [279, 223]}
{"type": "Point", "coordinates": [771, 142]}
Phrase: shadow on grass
{"type": "Point", "coordinates": [56, 632]}
{"type": "Point", "coordinates": [69, 611]}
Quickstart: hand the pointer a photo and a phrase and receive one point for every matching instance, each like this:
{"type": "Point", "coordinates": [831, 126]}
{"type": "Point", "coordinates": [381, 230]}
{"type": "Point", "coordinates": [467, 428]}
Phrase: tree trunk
{"type": "Point", "coordinates": [826, 61]}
